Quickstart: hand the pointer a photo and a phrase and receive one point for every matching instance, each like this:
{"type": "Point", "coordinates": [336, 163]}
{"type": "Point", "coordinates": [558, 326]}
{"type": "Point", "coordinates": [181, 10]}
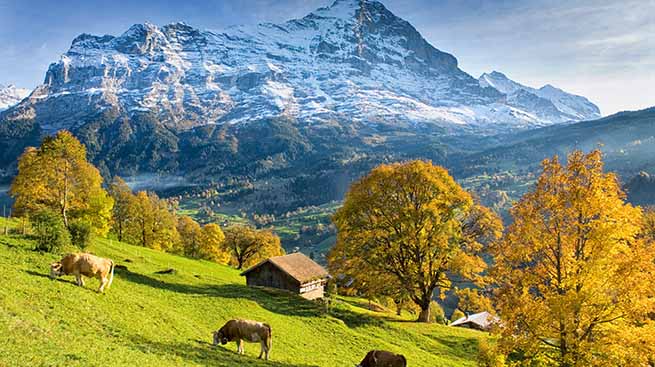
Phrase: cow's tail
{"type": "Point", "coordinates": [111, 274]}
{"type": "Point", "coordinates": [269, 337]}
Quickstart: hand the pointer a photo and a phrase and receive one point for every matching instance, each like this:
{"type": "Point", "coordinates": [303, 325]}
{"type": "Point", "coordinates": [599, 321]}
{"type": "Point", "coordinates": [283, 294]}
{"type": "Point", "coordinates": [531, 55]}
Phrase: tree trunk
{"type": "Point", "coordinates": [424, 316]}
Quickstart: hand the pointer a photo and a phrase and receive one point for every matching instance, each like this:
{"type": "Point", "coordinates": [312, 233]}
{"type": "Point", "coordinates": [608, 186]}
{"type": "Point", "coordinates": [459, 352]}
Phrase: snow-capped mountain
{"type": "Point", "coordinates": [10, 95]}
{"type": "Point", "coordinates": [353, 60]}
{"type": "Point", "coordinates": [548, 103]}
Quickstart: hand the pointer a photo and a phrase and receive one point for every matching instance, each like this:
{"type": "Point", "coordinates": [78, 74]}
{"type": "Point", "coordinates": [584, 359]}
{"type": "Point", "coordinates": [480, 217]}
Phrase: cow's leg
{"type": "Point", "coordinates": [239, 346]}
{"type": "Point", "coordinates": [261, 351]}
{"type": "Point", "coordinates": [78, 280]}
{"type": "Point", "coordinates": [103, 283]}
{"type": "Point", "coordinates": [267, 351]}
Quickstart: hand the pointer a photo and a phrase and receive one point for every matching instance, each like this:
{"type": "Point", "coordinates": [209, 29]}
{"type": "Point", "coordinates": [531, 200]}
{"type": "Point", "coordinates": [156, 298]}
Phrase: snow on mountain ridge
{"type": "Point", "coordinates": [10, 95]}
{"type": "Point", "coordinates": [554, 103]}
{"type": "Point", "coordinates": [353, 59]}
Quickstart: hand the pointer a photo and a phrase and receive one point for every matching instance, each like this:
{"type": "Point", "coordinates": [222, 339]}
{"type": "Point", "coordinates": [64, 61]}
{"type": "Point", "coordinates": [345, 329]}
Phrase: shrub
{"type": "Point", "coordinates": [437, 313]}
{"type": "Point", "coordinates": [49, 231]}
{"type": "Point", "coordinates": [80, 233]}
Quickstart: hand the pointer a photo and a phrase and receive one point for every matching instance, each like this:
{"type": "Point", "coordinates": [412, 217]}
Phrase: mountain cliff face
{"type": "Point", "coordinates": [10, 95]}
{"type": "Point", "coordinates": [352, 60]}
{"type": "Point", "coordinates": [309, 103]}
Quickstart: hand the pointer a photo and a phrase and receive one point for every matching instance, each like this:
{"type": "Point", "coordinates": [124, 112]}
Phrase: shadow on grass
{"type": "Point", "coordinates": [274, 300]}
{"type": "Point", "coordinates": [67, 281]}
{"type": "Point", "coordinates": [203, 353]}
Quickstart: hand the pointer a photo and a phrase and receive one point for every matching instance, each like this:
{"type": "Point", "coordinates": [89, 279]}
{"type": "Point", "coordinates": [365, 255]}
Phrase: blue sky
{"type": "Point", "coordinates": [602, 49]}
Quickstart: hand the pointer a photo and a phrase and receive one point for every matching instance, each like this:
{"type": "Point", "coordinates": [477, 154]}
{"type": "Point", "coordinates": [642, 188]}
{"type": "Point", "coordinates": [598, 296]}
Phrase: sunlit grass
{"type": "Point", "coordinates": [148, 319]}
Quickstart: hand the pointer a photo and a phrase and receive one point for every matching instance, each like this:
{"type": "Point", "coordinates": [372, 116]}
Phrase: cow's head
{"type": "Point", "coordinates": [219, 338]}
{"type": "Point", "coordinates": [56, 270]}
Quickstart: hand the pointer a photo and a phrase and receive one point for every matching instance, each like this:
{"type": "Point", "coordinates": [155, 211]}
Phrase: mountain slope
{"type": "Point", "coordinates": [626, 139]}
{"type": "Point", "coordinates": [505, 172]}
{"type": "Point", "coordinates": [148, 319]}
{"type": "Point", "coordinates": [354, 60]}
{"type": "Point", "coordinates": [280, 115]}
{"type": "Point", "coordinates": [549, 103]}
{"type": "Point", "coordinates": [10, 95]}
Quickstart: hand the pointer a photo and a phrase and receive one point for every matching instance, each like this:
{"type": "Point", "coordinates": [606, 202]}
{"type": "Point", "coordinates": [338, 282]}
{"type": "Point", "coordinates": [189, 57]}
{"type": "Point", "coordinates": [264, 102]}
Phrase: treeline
{"type": "Point", "coordinates": [571, 278]}
{"type": "Point", "coordinates": [63, 197]}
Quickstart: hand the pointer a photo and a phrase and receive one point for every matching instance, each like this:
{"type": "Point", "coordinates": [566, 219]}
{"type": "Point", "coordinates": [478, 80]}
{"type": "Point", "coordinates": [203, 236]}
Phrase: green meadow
{"type": "Point", "coordinates": [150, 319]}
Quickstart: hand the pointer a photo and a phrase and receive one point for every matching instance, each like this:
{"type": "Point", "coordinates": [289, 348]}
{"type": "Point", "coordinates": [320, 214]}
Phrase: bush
{"type": "Point", "coordinates": [49, 231]}
{"type": "Point", "coordinates": [436, 313]}
{"type": "Point", "coordinates": [80, 233]}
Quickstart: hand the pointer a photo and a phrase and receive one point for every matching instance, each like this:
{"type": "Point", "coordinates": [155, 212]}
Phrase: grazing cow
{"type": "Point", "coordinates": [87, 265]}
{"type": "Point", "coordinates": [250, 331]}
{"type": "Point", "coordinates": [381, 358]}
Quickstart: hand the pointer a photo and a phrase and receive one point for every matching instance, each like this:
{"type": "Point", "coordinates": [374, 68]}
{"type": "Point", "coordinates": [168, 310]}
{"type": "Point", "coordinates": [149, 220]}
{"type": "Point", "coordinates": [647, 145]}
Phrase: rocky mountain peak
{"type": "Point", "coordinates": [353, 60]}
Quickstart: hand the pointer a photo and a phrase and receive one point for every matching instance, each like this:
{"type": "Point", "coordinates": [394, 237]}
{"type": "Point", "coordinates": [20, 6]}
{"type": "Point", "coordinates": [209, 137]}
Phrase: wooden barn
{"type": "Point", "coordinates": [294, 272]}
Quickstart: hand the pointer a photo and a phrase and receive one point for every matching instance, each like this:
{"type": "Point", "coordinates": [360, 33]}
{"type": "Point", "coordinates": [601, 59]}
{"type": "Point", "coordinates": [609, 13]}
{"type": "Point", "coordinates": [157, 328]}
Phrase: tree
{"type": "Point", "coordinates": [57, 177]}
{"type": "Point", "coordinates": [190, 235]}
{"type": "Point", "coordinates": [49, 230]}
{"type": "Point", "coordinates": [574, 275]}
{"type": "Point", "coordinates": [124, 208]}
{"type": "Point", "coordinates": [412, 221]}
{"type": "Point", "coordinates": [471, 301]}
{"type": "Point", "coordinates": [248, 246]}
{"type": "Point", "coordinates": [649, 224]}
{"type": "Point", "coordinates": [155, 225]}
{"type": "Point", "coordinates": [211, 247]}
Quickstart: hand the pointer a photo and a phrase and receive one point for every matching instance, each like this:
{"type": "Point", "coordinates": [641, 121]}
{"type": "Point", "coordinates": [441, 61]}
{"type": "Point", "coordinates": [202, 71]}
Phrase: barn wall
{"type": "Point", "coordinates": [267, 275]}
{"type": "Point", "coordinates": [313, 294]}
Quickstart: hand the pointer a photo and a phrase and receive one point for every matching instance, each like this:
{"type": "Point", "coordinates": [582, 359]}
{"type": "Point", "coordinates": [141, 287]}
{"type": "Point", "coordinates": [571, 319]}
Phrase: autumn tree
{"type": "Point", "coordinates": [247, 246]}
{"type": "Point", "coordinates": [190, 236]}
{"type": "Point", "coordinates": [470, 301]}
{"type": "Point", "coordinates": [648, 231]}
{"type": "Point", "coordinates": [211, 247]}
{"type": "Point", "coordinates": [154, 225]}
{"type": "Point", "coordinates": [124, 213]}
{"type": "Point", "coordinates": [573, 271]}
{"type": "Point", "coordinates": [412, 221]}
{"type": "Point", "coordinates": [57, 177]}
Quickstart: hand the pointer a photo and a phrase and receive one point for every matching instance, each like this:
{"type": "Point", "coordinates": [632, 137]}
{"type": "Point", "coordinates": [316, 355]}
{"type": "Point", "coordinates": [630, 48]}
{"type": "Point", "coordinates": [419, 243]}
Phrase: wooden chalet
{"type": "Point", "coordinates": [294, 272]}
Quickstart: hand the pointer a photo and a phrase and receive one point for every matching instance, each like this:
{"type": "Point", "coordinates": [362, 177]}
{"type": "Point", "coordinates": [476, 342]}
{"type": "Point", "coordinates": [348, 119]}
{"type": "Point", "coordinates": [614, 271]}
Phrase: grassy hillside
{"type": "Point", "coordinates": [148, 319]}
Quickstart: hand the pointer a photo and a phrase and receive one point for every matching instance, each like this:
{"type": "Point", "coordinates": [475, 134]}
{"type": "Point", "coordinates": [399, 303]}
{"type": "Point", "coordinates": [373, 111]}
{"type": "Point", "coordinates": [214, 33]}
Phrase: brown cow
{"type": "Point", "coordinates": [250, 331]}
{"type": "Point", "coordinates": [87, 265]}
{"type": "Point", "coordinates": [382, 358]}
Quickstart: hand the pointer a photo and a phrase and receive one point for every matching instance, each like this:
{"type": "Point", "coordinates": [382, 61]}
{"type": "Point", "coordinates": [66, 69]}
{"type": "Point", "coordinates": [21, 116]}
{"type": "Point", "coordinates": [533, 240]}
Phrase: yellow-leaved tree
{"type": "Point", "coordinates": [211, 246]}
{"type": "Point", "coordinates": [124, 213]}
{"type": "Point", "coordinates": [574, 272]}
{"type": "Point", "coordinates": [57, 177]}
{"type": "Point", "coordinates": [190, 236]}
{"type": "Point", "coordinates": [413, 222]}
{"type": "Point", "coordinates": [155, 226]}
{"type": "Point", "coordinates": [247, 246]}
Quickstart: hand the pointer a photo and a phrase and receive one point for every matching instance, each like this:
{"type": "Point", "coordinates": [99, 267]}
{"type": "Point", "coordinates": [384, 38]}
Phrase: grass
{"type": "Point", "coordinates": [148, 319]}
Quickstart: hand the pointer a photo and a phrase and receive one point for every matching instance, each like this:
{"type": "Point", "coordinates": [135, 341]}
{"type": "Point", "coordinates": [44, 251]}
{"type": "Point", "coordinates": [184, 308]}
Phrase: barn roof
{"type": "Point", "coordinates": [296, 265]}
{"type": "Point", "coordinates": [483, 320]}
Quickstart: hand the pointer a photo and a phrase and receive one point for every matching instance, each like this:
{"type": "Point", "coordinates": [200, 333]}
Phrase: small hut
{"type": "Point", "coordinates": [479, 321]}
{"type": "Point", "coordinates": [294, 272]}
